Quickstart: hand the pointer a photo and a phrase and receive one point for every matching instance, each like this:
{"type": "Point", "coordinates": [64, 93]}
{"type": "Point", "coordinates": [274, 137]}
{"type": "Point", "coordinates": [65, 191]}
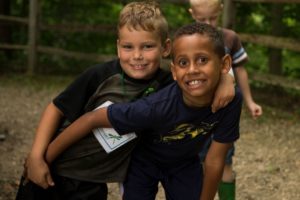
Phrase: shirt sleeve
{"type": "Point", "coordinates": [73, 99]}
{"type": "Point", "coordinates": [228, 129]}
{"type": "Point", "coordinates": [239, 54]}
{"type": "Point", "coordinates": [131, 117]}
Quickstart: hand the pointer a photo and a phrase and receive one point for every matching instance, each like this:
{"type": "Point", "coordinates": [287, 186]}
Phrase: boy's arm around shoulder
{"type": "Point", "coordinates": [224, 93]}
{"type": "Point", "coordinates": [213, 165]}
{"type": "Point", "coordinates": [76, 131]}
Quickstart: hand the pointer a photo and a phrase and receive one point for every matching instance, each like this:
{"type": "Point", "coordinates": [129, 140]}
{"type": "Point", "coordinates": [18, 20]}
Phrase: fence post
{"type": "Point", "coordinates": [228, 14]}
{"type": "Point", "coordinates": [32, 36]}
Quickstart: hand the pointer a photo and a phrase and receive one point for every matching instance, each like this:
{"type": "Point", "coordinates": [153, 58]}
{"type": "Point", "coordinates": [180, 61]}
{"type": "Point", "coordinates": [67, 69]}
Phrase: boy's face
{"type": "Point", "coordinates": [206, 13]}
{"type": "Point", "coordinates": [140, 52]}
{"type": "Point", "coordinates": [196, 67]}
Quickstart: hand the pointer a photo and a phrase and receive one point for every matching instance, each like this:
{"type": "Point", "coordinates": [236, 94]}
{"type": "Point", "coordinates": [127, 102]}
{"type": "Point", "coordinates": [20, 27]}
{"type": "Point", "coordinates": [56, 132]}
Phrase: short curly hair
{"type": "Point", "coordinates": [215, 35]}
{"type": "Point", "coordinates": [144, 15]}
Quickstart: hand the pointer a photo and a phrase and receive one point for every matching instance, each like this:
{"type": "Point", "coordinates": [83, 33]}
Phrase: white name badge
{"type": "Point", "coordinates": [109, 139]}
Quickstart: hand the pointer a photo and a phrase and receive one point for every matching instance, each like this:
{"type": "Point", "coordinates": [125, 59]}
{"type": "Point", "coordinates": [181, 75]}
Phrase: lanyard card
{"type": "Point", "coordinates": [109, 139]}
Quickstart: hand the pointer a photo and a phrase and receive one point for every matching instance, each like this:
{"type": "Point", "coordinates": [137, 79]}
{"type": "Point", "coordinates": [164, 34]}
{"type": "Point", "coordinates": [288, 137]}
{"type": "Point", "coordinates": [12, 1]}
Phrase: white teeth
{"type": "Point", "coordinates": [195, 82]}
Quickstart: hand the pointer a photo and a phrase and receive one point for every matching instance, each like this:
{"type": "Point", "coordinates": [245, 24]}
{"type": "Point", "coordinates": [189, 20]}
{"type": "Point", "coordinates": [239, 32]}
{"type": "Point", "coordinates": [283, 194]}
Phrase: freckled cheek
{"type": "Point", "coordinates": [125, 56]}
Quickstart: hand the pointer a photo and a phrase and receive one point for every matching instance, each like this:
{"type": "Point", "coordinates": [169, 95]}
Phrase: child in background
{"type": "Point", "coordinates": [174, 123]}
{"type": "Point", "coordinates": [208, 11]}
{"type": "Point", "coordinates": [83, 170]}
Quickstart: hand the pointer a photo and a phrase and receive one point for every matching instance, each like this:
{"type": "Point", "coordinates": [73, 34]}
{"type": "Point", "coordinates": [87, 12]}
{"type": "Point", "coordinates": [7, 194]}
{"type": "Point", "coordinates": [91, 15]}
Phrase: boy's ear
{"type": "Point", "coordinates": [226, 64]}
{"type": "Point", "coordinates": [191, 12]}
{"type": "Point", "coordinates": [167, 48]}
{"type": "Point", "coordinates": [173, 71]}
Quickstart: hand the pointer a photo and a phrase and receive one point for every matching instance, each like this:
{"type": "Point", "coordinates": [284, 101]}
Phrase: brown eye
{"type": "Point", "coordinates": [148, 46]}
{"type": "Point", "coordinates": [127, 47]}
{"type": "Point", "coordinates": [183, 62]}
{"type": "Point", "coordinates": [201, 60]}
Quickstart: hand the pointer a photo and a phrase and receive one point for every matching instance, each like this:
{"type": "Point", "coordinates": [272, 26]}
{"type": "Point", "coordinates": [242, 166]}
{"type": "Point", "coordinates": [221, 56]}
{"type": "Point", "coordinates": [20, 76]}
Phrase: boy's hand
{"type": "Point", "coordinates": [224, 93]}
{"type": "Point", "coordinates": [255, 110]}
{"type": "Point", "coordinates": [37, 171]}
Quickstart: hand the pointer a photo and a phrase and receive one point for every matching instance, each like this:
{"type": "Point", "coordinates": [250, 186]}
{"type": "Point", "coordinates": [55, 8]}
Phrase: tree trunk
{"type": "Point", "coordinates": [228, 17]}
{"type": "Point", "coordinates": [5, 29]}
{"type": "Point", "coordinates": [275, 55]}
{"type": "Point", "coordinates": [32, 36]}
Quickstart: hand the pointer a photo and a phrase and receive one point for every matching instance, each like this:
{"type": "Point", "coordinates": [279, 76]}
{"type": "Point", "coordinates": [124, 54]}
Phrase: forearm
{"type": "Point", "coordinates": [76, 131]}
{"type": "Point", "coordinates": [224, 93]}
{"type": "Point", "coordinates": [243, 82]}
{"type": "Point", "coordinates": [45, 131]}
{"type": "Point", "coordinates": [213, 169]}
{"type": "Point", "coordinates": [212, 176]}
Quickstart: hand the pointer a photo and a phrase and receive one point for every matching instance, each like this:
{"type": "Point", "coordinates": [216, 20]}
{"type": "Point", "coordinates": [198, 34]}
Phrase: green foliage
{"type": "Point", "coordinates": [291, 20]}
{"type": "Point", "coordinates": [91, 13]}
{"type": "Point", "coordinates": [257, 59]}
{"type": "Point", "coordinates": [256, 19]}
{"type": "Point", "coordinates": [81, 12]}
{"type": "Point", "coordinates": [291, 64]}
{"type": "Point", "coordinates": [176, 15]}
{"type": "Point", "coordinates": [251, 18]}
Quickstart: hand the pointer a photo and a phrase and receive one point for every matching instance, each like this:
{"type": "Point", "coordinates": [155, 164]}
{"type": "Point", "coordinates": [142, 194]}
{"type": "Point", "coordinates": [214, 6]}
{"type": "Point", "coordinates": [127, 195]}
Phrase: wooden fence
{"type": "Point", "coordinates": [265, 40]}
{"type": "Point", "coordinates": [270, 41]}
{"type": "Point", "coordinates": [35, 27]}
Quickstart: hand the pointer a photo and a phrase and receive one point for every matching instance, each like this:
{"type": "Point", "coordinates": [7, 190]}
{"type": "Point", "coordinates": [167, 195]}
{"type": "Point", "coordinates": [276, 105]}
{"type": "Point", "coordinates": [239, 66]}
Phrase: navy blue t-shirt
{"type": "Point", "coordinates": [171, 131]}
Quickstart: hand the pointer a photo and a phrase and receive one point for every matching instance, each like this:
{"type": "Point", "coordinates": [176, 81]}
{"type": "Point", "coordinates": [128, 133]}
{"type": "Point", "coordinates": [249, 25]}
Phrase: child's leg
{"type": "Point", "coordinates": [226, 189]}
{"type": "Point", "coordinates": [183, 181]}
{"type": "Point", "coordinates": [142, 180]}
{"type": "Point", "coordinates": [228, 173]}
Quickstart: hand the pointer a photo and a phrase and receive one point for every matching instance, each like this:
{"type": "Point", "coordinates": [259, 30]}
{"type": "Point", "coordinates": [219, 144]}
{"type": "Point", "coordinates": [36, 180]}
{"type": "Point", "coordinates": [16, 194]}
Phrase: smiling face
{"type": "Point", "coordinates": [140, 52]}
{"type": "Point", "coordinates": [197, 68]}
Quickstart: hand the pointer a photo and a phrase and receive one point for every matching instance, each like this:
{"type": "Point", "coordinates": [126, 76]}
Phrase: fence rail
{"type": "Point", "coordinates": [14, 19]}
{"type": "Point", "coordinates": [35, 27]}
{"type": "Point", "coordinates": [271, 41]}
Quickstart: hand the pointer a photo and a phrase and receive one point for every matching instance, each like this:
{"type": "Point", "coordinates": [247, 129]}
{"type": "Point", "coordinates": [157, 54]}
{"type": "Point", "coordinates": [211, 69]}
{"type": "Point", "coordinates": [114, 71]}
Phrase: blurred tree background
{"type": "Point", "coordinates": [101, 17]}
{"type": "Point", "coordinates": [257, 19]}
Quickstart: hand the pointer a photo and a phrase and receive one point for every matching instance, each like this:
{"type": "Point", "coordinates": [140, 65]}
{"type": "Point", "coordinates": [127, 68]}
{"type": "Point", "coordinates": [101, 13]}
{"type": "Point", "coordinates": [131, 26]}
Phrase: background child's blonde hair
{"type": "Point", "coordinates": [144, 15]}
{"type": "Point", "coordinates": [210, 2]}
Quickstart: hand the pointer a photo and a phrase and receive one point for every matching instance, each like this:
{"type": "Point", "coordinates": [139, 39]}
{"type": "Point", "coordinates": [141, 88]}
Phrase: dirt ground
{"type": "Point", "coordinates": [267, 154]}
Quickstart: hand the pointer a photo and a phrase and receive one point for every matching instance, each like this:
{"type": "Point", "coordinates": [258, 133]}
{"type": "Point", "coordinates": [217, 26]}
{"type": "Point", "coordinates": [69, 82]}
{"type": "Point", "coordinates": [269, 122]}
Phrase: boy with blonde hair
{"type": "Point", "coordinates": [208, 11]}
{"type": "Point", "coordinates": [82, 171]}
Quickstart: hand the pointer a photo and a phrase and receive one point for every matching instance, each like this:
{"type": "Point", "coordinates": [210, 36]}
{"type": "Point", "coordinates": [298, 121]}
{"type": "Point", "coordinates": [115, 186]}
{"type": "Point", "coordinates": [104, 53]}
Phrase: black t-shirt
{"type": "Point", "coordinates": [86, 160]}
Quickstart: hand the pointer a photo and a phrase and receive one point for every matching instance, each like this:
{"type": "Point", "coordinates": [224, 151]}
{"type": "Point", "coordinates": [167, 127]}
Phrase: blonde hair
{"type": "Point", "coordinates": [209, 2]}
{"type": "Point", "coordinates": [144, 15]}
